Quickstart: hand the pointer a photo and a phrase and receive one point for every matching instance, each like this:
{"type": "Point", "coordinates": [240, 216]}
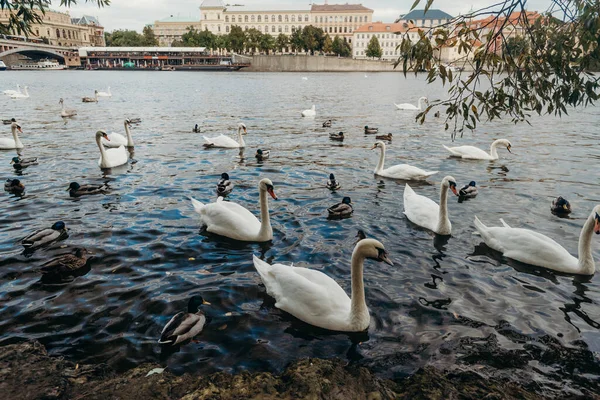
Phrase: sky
{"type": "Point", "coordinates": [135, 14]}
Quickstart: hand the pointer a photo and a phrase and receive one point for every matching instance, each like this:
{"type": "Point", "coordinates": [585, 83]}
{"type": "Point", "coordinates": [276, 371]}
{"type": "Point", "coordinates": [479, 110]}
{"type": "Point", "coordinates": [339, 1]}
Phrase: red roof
{"type": "Point", "coordinates": [380, 27]}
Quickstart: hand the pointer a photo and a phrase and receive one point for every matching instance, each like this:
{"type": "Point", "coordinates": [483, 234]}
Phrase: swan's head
{"type": "Point", "coordinates": [597, 220]}
{"type": "Point", "coordinates": [128, 122]}
{"type": "Point", "coordinates": [504, 142]}
{"type": "Point", "coordinates": [195, 303]}
{"type": "Point", "coordinates": [373, 249]}
{"type": "Point", "coordinates": [102, 134]}
{"type": "Point", "coordinates": [379, 144]}
{"type": "Point", "coordinates": [58, 226]}
{"type": "Point", "coordinates": [225, 176]}
{"type": "Point", "coordinates": [267, 186]}
{"type": "Point", "coordinates": [242, 127]}
{"type": "Point", "coordinates": [73, 186]}
{"type": "Point", "coordinates": [346, 200]}
{"type": "Point", "coordinates": [95, 92]}
{"type": "Point", "coordinates": [450, 182]}
{"type": "Point", "coordinates": [16, 126]}
{"type": "Point", "coordinates": [425, 99]}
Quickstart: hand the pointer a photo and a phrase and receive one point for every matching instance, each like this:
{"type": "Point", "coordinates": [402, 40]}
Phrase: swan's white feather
{"type": "Point", "coordinates": [222, 141]}
{"type": "Point", "coordinates": [406, 172]}
{"type": "Point", "coordinates": [114, 158]}
{"type": "Point", "coordinates": [228, 219]}
{"type": "Point", "coordinates": [116, 140]}
{"type": "Point", "coordinates": [421, 210]}
{"type": "Point", "coordinates": [469, 152]}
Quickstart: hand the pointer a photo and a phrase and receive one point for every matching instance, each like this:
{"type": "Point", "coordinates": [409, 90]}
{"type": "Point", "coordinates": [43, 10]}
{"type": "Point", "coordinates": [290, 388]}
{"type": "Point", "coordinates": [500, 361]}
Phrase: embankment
{"type": "Point", "coordinates": [304, 63]}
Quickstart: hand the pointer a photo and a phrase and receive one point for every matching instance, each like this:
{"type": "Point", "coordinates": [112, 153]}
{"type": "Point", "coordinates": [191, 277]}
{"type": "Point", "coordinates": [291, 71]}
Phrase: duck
{"type": "Point", "coordinates": [228, 219]}
{"type": "Point", "coordinates": [77, 190]}
{"type": "Point", "coordinates": [15, 142]}
{"type": "Point", "coordinates": [105, 94]}
{"type": "Point", "coordinates": [44, 237]}
{"type": "Point", "coordinates": [10, 92]}
{"type": "Point", "coordinates": [560, 206]}
{"type": "Point", "coordinates": [14, 186]}
{"type": "Point", "coordinates": [66, 112]}
{"type": "Point", "coordinates": [412, 107]}
{"type": "Point", "coordinates": [327, 124]}
{"type": "Point", "coordinates": [360, 235]}
{"type": "Point", "coordinates": [20, 163]}
{"type": "Point", "coordinates": [533, 248]}
{"type": "Point", "coordinates": [224, 186]}
{"type": "Point", "coordinates": [66, 263]}
{"type": "Point", "coordinates": [317, 299]}
{"type": "Point", "coordinates": [184, 325]}
{"type": "Point", "coordinates": [135, 120]}
{"type": "Point", "coordinates": [8, 121]}
{"type": "Point", "coordinates": [370, 130]}
{"type": "Point", "coordinates": [332, 183]}
{"type": "Point", "coordinates": [196, 129]}
{"type": "Point", "coordinates": [110, 158]}
{"type": "Point", "coordinates": [468, 191]}
{"type": "Point", "coordinates": [437, 114]}
{"type": "Point", "coordinates": [223, 141]}
{"type": "Point", "coordinates": [424, 212]}
{"type": "Point", "coordinates": [343, 209]}
{"type": "Point", "coordinates": [475, 153]}
{"type": "Point", "coordinates": [117, 140]}
{"type": "Point", "coordinates": [310, 112]}
{"type": "Point", "coordinates": [402, 171]}
{"type": "Point", "coordinates": [262, 154]}
{"type": "Point", "coordinates": [91, 99]}
{"type": "Point", "coordinates": [23, 95]}
{"type": "Point", "coordinates": [337, 136]}
{"type": "Point", "coordinates": [387, 136]}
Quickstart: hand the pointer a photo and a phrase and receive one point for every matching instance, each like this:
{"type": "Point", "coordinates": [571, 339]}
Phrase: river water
{"type": "Point", "coordinates": [443, 303]}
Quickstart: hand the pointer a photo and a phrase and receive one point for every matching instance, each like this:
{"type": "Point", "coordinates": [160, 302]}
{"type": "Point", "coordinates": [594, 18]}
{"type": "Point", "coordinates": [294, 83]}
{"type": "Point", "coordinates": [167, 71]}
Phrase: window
{"type": "Point", "coordinates": [245, 18]}
{"type": "Point", "coordinates": [266, 18]}
{"type": "Point", "coordinates": [58, 33]}
{"type": "Point", "coordinates": [330, 18]}
{"type": "Point", "coordinates": [69, 34]}
{"type": "Point", "coordinates": [286, 29]}
{"type": "Point", "coordinates": [218, 28]}
{"type": "Point", "coordinates": [335, 19]}
{"type": "Point", "coordinates": [239, 18]}
{"type": "Point", "coordinates": [279, 30]}
{"type": "Point", "coordinates": [48, 32]}
{"type": "Point", "coordinates": [37, 32]}
{"type": "Point", "coordinates": [361, 19]}
{"type": "Point", "coordinates": [287, 18]}
{"type": "Point", "coordinates": [64, 35]}
{"type": "Point", "coordinates": [345, 30]}
{"type": "Point", "coordinates": [252, 18]}
{"type": "Point", "coordinates": [306, 18]}
{"type": "Point", "coordinates": [335, 30]}
{"type": "Point", "coordinates": [227, 29]}
{"type": "Point", "coordinates": [266, 28]}
{"type": "Point", "coordinates": [227, 18]}
{"type": "Point", "coordinates": [293, 18]}
{"type": "Point", "coordinates": [259, 18]}
{"type": "Point", "coordinates": [218, 16]}
{"type": "Point", "coordinates": [272, 18]}
{"type": "Point", "coordinates": [273, 29]}
{"type": "Point", "coordinates": [330, 30]}
{"type": "Point", "coordinates": [299, 18]}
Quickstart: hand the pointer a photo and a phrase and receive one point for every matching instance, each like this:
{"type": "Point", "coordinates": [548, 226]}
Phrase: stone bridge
{"type": "Point", "coordinates": [10, 49]}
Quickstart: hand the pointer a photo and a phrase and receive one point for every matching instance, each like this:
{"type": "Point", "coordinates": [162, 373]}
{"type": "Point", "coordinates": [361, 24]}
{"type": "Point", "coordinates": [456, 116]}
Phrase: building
{"type": "Point", "coordinates": [389, 35]}
{"type": "Point", "coordinates": [95, 30]}
{"type": "Point", "coordinates": [171, 29]}
{"type": "Point", "coordinates": [340, 19]}
{"type": "Point", "coordinates": [429, 19]}
{"type": "Point", "coordinates": [58, 29]}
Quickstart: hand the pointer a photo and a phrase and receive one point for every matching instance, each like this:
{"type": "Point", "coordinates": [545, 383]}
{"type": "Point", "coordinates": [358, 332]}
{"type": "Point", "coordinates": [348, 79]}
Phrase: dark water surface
{"type": "Point", "coordinates": [441, 303]}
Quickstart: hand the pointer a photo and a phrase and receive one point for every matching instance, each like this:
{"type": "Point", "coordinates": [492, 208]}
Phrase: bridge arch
{"type": "Point", "coordinates": [27, 51]}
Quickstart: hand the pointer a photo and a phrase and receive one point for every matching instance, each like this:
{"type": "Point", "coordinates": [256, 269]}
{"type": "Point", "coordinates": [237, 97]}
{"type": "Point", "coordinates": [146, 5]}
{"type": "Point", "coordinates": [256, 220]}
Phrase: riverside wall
{"type": "Point", "coordinates": [304, 63]}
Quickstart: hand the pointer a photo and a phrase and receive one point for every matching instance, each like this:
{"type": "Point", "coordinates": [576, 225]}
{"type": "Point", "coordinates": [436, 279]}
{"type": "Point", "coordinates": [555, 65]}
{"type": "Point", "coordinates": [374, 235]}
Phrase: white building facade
{"type": "Point", "coordinates": [390, 36]}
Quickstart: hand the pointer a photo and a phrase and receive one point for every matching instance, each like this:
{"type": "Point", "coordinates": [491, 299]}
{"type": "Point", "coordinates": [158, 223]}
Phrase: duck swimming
{"type": "Point", "coordinates": [332, 183]}
{"type": "Point", "coordinates": [371, 130]}
{"type": "Point", "coordinates": [387, 136]}
{"type": "Point", "coordinates": [66, 263]}
{"type": "Point", "coordinates": [343, 209]}
{"type": "Point", "coordinates": [337, 136]}
{"type": "Point", "coordinates": [77, 190]}
{"type": "Point", "coordinates": [20, 163]}
{"type": "Point", "coordinates": [327, 124]}
{"type": "Point", "coordinates": [196, 129]}
{"type": "Point", "coordinates": [14, 186]}
{"type": "Point", "coordinates": [44, 237]}
{"type": "Point", "coordinates": [262, 154]}
{"type": "Point", "coordinates": [184, 325]}
{"type": "Point", "coordinates": [468, 191]}
{"type": "Point", "coordinates": [224, 187]}
{"type": "Point", "coordinates": [560, 206]}
{"type": "Point", "coordinates": [360, 235]}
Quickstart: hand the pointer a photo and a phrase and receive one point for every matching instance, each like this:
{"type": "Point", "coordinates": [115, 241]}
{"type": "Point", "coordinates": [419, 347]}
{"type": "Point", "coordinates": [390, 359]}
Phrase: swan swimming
{"type": "Point", "coordinates": [226, 142]}
{"type": "Point", "coordinates": [310, 112]}
{"type": "Point", "coordinates": [66, 112]}
{"type": "Point", "coordinates": [105, 94]}
{"type": "Point", "coordinates": [10, 92]}
{"type": "Point", "coordinates": [475, 153]}
{"type": "Point", "coordinates": [118, 140]}
{"type": "Point", "coordinates": [110, 158]}
{"type": "Point", "coordinates": [402, 171]}
{"type": "Point", "coordinates": [412, 107]}
{"type": "Point", "coordinates": [317, 299]}
{"type": "Point", "coordinates": [424, 212]}
{"type": "Point", "coordinates": [15, 142]}
{"type": "Point", "coordinates": [24, 95]}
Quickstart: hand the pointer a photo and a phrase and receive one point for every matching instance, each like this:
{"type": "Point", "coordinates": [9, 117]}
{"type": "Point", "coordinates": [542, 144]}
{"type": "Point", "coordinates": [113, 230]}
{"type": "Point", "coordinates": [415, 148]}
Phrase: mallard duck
{"type": "Point", "coordinates": [327, 124]}
{"type": "Point", "coordinates": [337, 136]}
{"type": "Point", "coordinates": [14, 186]}
{"type": "Point", "coordinates": [135, 120]}
{"type": "Point", "coordinates": [8, 121]}
{"type": "Point", "coordinates": [184, 325]}
{"type": "Point", "coordinates": [371, 130]}
{"type": "Point", "coordinates": [46, 236]}
{"type": "Point", "coordinates": [196, 129]}
{"type": "Point", "coordinates": [262, 154]}
{"type": "Point", "coordinates": [66, 263]}
{"type": "Point", "coordinates": [20, 163]}
{"type": "Point", "coordinates": [332, 184]}
{"type": "Point", "coordinates": [560, 206]}
{"type": "Point", "coordinates": [342, 209]}
{"type": "Point", "coordinates": [77, 190]}
{"type": "Point", "coordinates": [224, 187]}
{"type": "Point", "coordinates": [468, 191]}
{"type": "Point", "coordinates": [387, 136]}
{"type": "Point", "coordinates": [91, 99]}
{"type": "Point", "coordinates": [360, 235]}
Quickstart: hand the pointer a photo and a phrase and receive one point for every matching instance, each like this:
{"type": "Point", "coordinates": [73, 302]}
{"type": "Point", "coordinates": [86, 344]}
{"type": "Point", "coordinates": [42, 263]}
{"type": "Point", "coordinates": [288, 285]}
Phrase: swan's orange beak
{"type": "Point", "coordinates": [19, 129]}
{"type": "Point", "coordinates": [272, 193]}
{"type": "Point", "coordinates": [453, 188]}
{"type": "Point", "coordinates": [597, 225]}
{"type": "Point", "coordinates": [106, 137]}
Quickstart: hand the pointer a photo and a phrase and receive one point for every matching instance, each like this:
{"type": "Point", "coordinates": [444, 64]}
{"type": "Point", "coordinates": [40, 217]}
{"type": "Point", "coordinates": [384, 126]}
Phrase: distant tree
{"type": "Point", "coordinates": [237, 39]}
{"type": "Point", "coordinates": [222, 42]}
{"type": "Point", "coordinates": [327, 45]}
{"type": "Point", "coordinates": [282, 42]}
{"type": "Point", "coordinates": [124, 38]}
{"type": "Point", "coordinates": [149, 38]}
{"type": "Point", "coordinates": [337, 46]}
{"type": "Point", "coordinates": [373, 48]}
{"type": "Point", "coordinates": [296, 42]}
{"type": "Point", "coordinates": [253, 39]}
{"type": "Point", "coordinates": [177, 43]}
{"type": "Point", "coordinates": [195, 38]}
{"type": "Point", "coordinates": [346, 49]}
{"type": "Point", "coordinates": [312, 38]}
{"type": "Point", "coordinates": [267, 43]}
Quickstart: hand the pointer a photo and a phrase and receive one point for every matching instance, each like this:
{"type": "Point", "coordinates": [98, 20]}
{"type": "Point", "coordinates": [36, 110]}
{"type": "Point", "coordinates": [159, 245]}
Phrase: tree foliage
{"type": "Point", "coordinates": [328, 45]}
{"type": "Point", "coordinates": [267, 43]}
{"type": "Point", "coordinates": [282, 42]}
{"type": "Point", "coordinates": [195, 38]}
{"type": "Point", "coordinates": [516, 63]}
{"type": "Point", "coordinates": [128, 38]}
{"type": "Point", "coordinates": [148, 37]}
{"type": "Point", "coordinates": [237, 39]}
{"type": "Point", "coordinates": [374, 48]}
{"type": "Point", "coordinates": [341, 47]}
{"type": "Point", "coordinates": [313, 39]}
{"type": "Point", "coordinates": [24, 14]}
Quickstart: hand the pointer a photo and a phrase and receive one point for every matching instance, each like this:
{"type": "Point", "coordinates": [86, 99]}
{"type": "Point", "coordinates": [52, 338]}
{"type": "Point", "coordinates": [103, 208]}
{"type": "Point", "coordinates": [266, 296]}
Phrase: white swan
{"type": "Point", "coordinates": [231, 220]}
{"type": "Point", "coordinates": [10, 92]}
{"type": "Point", "coordinates": [24, 95]}
{"type": "Point", "coordinates": [66, 112]}
{"type": "Point", "coordinates": [317, 299]}
{"type": "Point", "coordinates": [424, 212]}
{"type": "Point", "coordinates": [225, 141]}
{"type": "Point", "coordinates": [475, 153]}
{"type": "Point", "coordinates": [105, 94]}
{"type": "Point", "coordinates": [110, 158]}
{"type": "Point", "coordinates": [402, 171]}
{"type": "Point", "coordinates": [412, 107]}
{"type": "Point", "coordinates": [118, 140]}
{"type": "Point", "coordinates": [310, 112]}
{"type": "Point", "coordinates": [533, 248]}
{"type": "Point", "coordinates": [15, 142]}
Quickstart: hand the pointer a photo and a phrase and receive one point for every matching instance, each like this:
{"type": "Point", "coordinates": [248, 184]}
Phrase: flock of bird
{"type": "Point", "coordinates": [309, 294]}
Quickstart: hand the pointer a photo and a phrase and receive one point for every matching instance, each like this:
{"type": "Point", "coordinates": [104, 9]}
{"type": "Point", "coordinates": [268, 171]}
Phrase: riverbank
{"type": "Point", "coordinates": [305, 63]}
{"type": "Point", "coordinates": [28, 372]}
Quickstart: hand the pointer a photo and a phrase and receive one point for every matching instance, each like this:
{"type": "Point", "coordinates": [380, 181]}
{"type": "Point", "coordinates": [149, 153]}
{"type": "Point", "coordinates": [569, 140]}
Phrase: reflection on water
{"type": "Point", "coordinates": [447, 299]}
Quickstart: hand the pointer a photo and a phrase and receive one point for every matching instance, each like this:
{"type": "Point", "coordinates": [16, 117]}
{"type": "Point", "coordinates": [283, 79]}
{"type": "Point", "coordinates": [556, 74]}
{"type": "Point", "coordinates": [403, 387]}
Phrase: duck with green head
{"type": "Point", "coordinates": [343, 209]}
{"type": "Point", "coordinates": [44, 237]}
{"type": "Point", "coordinates": [20, 163]}
{"type": "Point", "coordinates": [77, 190]}
{"type": "Point", "coordinates": [184, 325]}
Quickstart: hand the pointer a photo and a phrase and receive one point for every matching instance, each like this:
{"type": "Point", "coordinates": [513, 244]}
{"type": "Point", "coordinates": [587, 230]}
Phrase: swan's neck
{"type": "Point", "coordinates": [444, 227]}
{"type": "Point", "coordinates": [586, 259]}
{"type": "Point", "coordinates": [102, 151]}
{"type": "Point", "coordinates": [16, 137]}
{"type": "Point", "coordinates": [359, 313]}
{"type": "Point", "coordinates": [266, 231]}
{"type": "Point", "coordinates": [494, 150]}
{"type": "Point", "coordinates": [129, 138]}
{"type": "Point", "coordinates": [381, 160]}
{"type": "Point", "coordinates": [241, 140]}
{"type": "Point", "coordinates": [419, 105]}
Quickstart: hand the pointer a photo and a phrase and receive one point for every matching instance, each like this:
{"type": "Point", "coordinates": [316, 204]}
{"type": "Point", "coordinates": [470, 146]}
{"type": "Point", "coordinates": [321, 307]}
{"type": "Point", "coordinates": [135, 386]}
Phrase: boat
{"type": "Point", "coordinates": [39, 65]}
{"type": "Point", "coordinates": [2, 66]}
